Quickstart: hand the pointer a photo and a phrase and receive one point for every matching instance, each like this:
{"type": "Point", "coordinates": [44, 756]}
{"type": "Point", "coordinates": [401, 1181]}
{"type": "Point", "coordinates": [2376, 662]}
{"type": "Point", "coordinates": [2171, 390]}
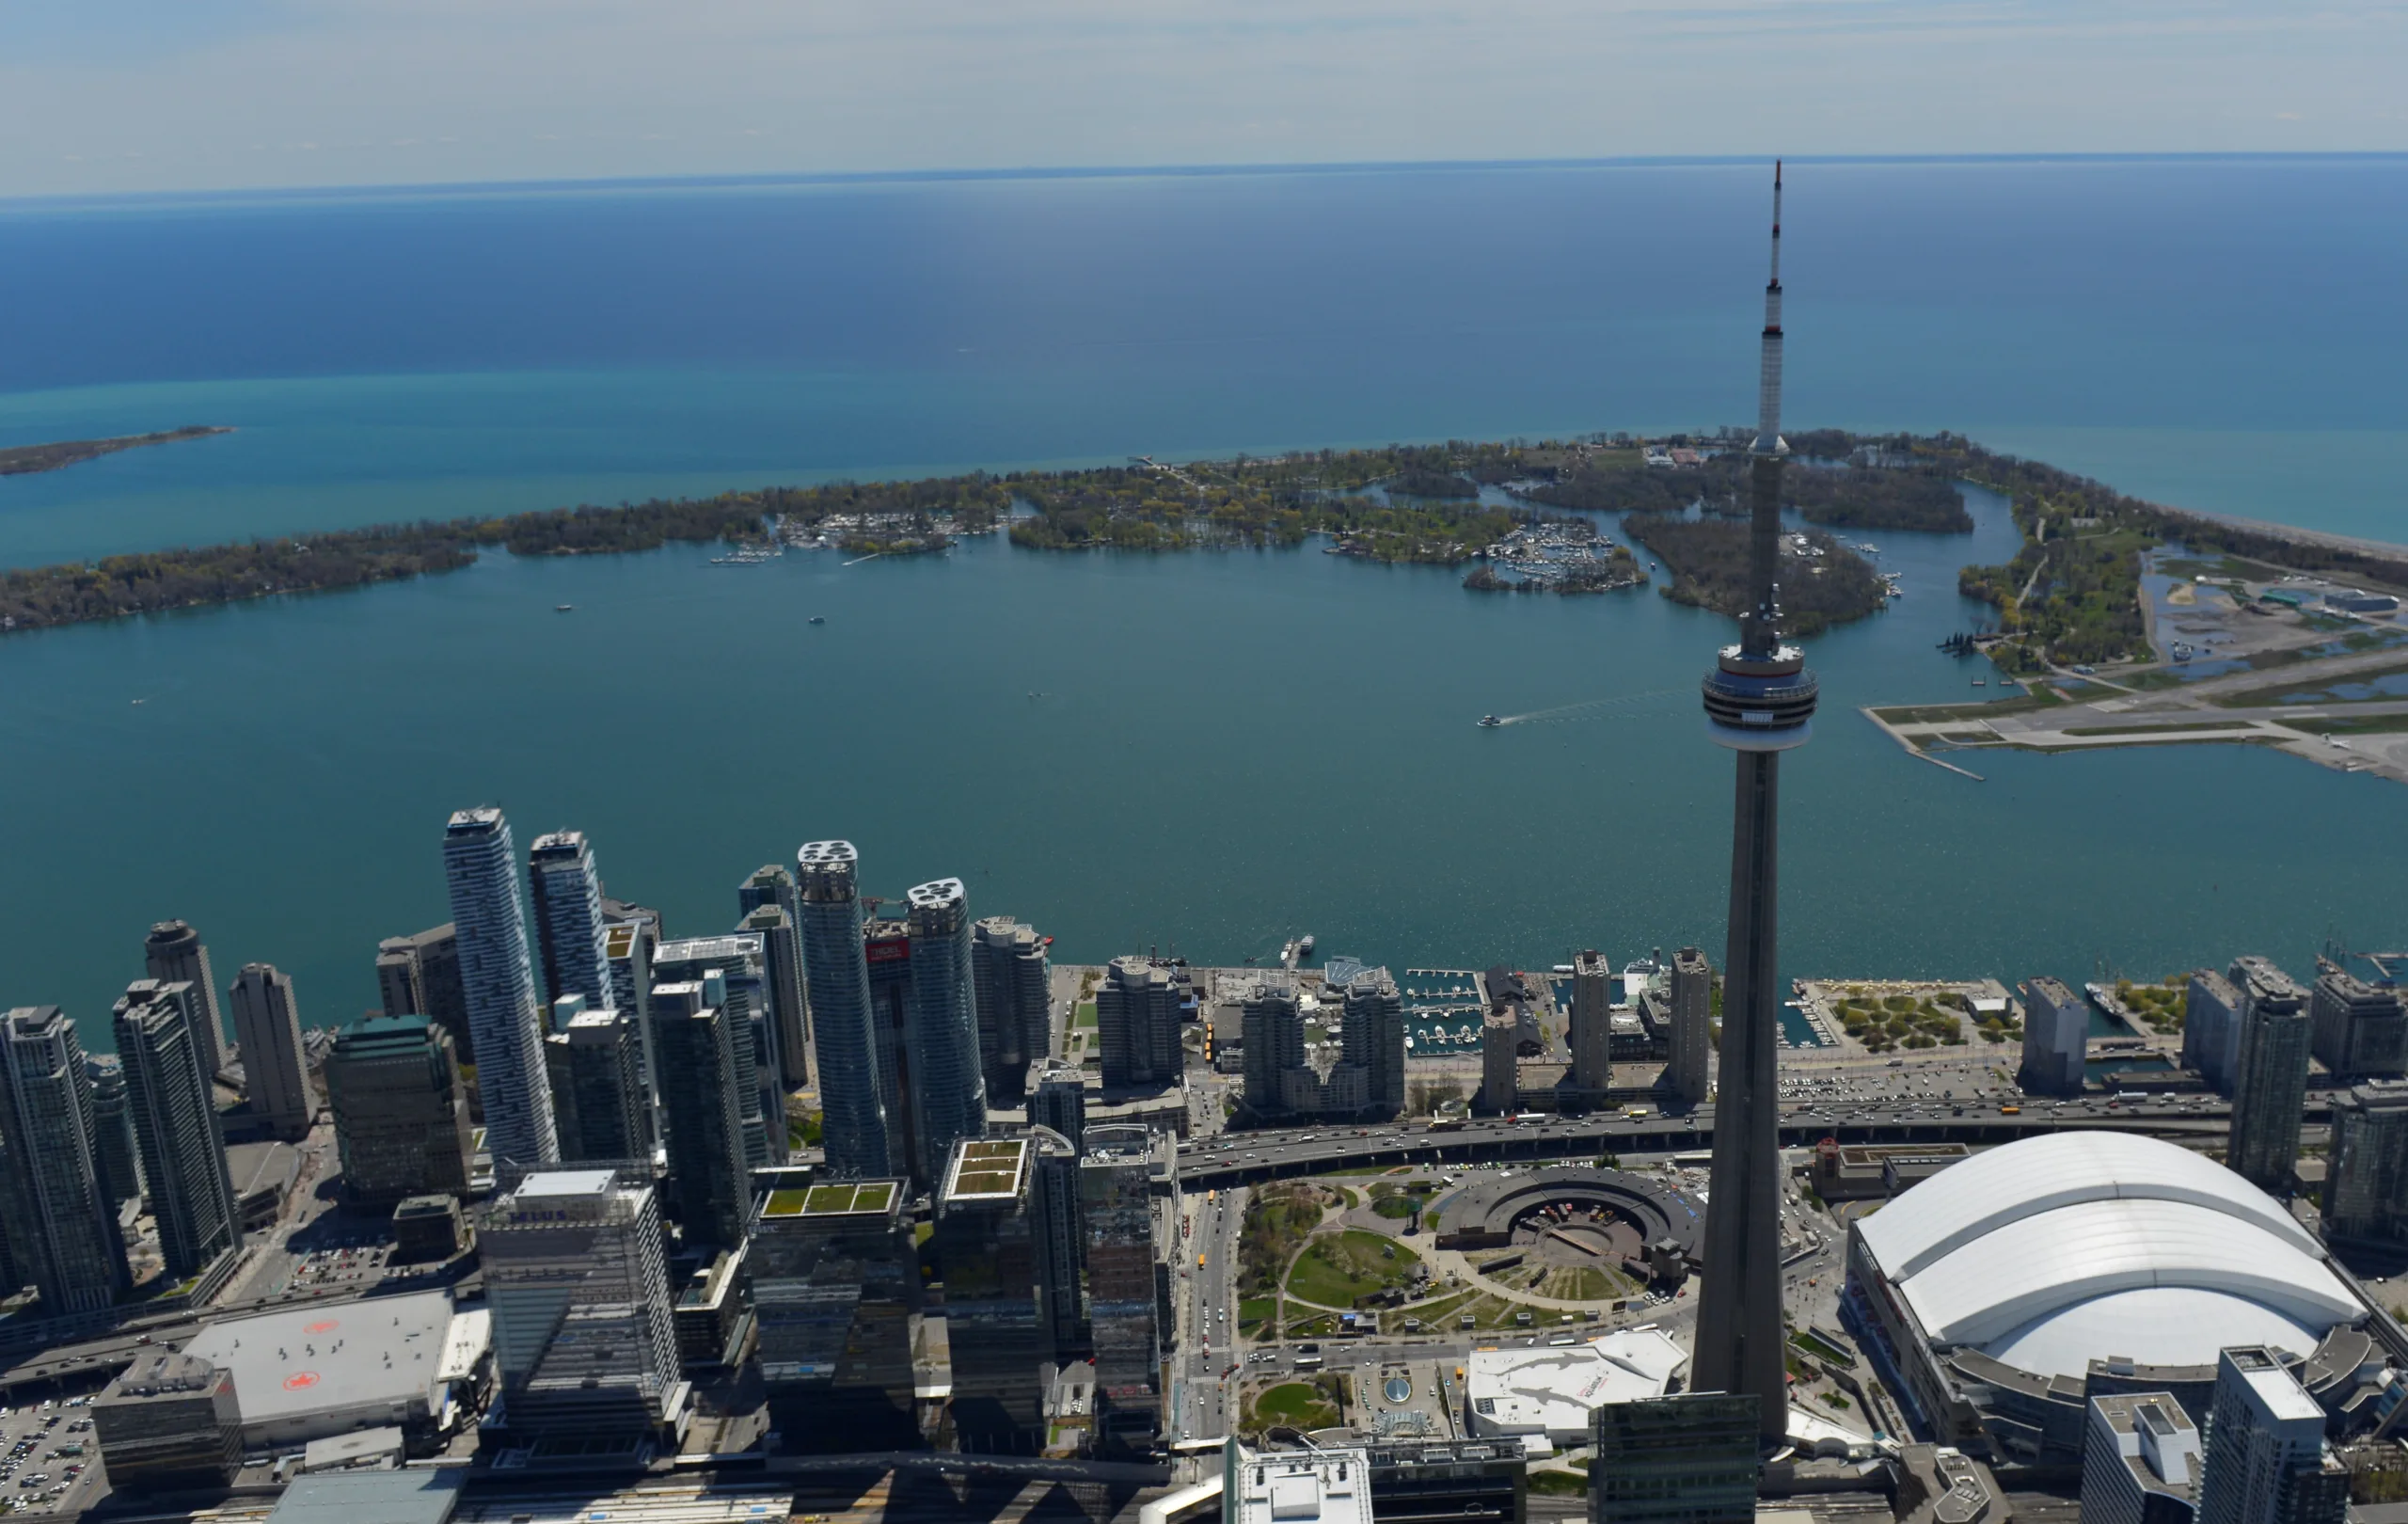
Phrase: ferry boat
{"type": "Point", "coordinates": [1489, 721]}
{"type": "Point", "coordinates": [1305, 946]}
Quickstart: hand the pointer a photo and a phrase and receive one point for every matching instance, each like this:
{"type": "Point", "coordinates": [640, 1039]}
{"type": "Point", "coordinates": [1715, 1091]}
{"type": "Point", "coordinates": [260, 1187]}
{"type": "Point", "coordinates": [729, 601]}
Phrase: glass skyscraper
{"type": "Point", "coordinates": [568, 889]}
{"type": "Point", "coordinates": [949, 1084]}
{"type": "Point", "coordinates": [499, 987]}
{"type": "Point", "coordinates": [62, 1228]}
{"type": "Point", "coordinates": [175, 1124]}
{"type": "Point", "coordinates": [854, 1123]}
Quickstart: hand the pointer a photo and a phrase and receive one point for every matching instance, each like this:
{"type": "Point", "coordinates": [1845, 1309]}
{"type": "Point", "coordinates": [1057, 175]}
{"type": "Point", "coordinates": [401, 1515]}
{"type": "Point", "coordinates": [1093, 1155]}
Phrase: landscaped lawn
{"type": "Point", "coordinates": [1295, 1403]}
{"type": "Point", "coordinates": [1335, 1269]}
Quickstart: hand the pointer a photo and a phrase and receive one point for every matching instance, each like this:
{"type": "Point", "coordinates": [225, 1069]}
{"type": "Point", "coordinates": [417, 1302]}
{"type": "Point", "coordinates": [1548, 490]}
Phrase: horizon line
{"type": "Point", "coordinates": [405, 190]}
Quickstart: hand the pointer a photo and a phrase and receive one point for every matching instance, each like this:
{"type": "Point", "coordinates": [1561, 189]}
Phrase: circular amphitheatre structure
{"type": "Point", "coordinates": [1573, 1215]}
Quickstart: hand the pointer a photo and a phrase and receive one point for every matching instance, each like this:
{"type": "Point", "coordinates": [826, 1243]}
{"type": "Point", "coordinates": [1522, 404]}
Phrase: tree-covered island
{"type": "Point", "coordinates": [2072, 591]}
{"type": "Point", "coordinates": [23, 460]}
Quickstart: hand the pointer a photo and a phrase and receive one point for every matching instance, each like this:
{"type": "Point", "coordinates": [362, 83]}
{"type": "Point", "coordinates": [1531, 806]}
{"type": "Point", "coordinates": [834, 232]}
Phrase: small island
{"type": "Point", "coordinates": [25, 460]}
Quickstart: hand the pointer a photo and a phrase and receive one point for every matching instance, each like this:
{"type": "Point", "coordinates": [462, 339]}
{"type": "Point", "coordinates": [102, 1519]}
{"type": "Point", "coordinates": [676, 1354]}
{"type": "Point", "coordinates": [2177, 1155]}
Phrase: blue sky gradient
{"type": "Point", "coordinates": [112, 96]}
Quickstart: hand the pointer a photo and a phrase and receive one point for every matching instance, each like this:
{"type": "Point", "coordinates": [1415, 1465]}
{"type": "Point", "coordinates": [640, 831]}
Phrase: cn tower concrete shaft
{"type": "Point", "coordinates": [1738, 1318]}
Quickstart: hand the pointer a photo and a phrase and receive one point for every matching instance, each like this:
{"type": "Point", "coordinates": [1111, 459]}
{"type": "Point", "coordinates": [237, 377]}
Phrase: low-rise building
{"type": "Point", "coordinates": [306, 1373]}
{"type": "Point", "coordinates": [1554, 1391]}
{"type": "Point", "coordinates": [169, 1422]}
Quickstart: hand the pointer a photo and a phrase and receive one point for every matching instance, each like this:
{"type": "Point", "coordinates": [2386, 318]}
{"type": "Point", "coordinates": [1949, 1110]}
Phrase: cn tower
{"type": "Point", "coordinates": [1759, 702]}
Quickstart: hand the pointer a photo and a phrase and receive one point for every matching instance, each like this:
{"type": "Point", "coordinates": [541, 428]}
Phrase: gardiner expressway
{"type": "Point", "coordinates": [1248, 1157]}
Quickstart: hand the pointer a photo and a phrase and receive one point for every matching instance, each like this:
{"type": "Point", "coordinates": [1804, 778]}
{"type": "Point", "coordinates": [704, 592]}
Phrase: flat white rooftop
{"type": "Point", "coordinates": [1325, 1486]}
{"type": "Point", "coordinates": [1552, 1391]}
{"type": "Point", "coordinates": [297, 1369]}
{"type": "Point", "coordinates": [552, 1182]}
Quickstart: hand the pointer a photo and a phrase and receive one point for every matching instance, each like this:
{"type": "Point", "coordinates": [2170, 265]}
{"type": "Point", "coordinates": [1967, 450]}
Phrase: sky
{"type": "Point", "coordinates": [102, 97]}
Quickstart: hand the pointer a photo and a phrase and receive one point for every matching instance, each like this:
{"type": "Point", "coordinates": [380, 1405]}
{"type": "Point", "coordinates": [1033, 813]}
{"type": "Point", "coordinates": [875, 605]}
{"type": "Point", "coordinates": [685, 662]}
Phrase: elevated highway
{"type": "Point", "coordinates": [1251, 1157]}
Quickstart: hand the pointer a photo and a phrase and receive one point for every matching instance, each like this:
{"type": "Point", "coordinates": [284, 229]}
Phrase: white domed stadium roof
{"type": "Point", "coordinates": [2055, 1250]}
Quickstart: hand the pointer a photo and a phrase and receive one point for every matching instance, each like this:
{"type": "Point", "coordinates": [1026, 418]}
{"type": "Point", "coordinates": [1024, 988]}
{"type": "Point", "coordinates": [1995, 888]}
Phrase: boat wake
{"type": "Point", "coordinates": [1620, 708]}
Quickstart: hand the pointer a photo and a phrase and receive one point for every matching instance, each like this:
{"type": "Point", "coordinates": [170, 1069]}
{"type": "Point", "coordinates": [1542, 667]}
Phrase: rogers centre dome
{"type": "Point", "coordinates": [2004, 1290]}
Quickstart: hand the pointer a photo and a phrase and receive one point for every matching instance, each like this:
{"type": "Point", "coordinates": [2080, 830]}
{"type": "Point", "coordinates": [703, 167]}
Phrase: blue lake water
{"type": "Point", "coordinates": [1224, 748]}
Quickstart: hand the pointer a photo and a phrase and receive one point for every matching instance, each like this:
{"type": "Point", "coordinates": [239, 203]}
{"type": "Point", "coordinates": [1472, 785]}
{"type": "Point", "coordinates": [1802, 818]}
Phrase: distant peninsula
{"type": "Point", "coordinates": [1510, 507]}
{"type": "Point", "coordinates": [23, 460]}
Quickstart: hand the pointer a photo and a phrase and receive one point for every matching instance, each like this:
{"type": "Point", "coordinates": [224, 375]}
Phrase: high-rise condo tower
{"type": "Point", "coordinates": [499, 987]}
{"type": "Point", "coordinates": [1759, 702]}
{"type": "Point", "coordinates": [827, 875]}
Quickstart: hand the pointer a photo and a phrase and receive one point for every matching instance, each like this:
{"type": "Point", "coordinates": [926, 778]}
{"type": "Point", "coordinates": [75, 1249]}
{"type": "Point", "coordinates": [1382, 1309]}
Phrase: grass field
{"type": "Point", "coordinates": [1335, 1269]}
{"type": "Point", "coordinates": [2145, 730]}
{"type": "Point", "coordinates": [1582, 1283]}
{"type": "Point", "coordinates": [2376, 725]}
{"type": "Point", "coordinates": [1298, 1404]}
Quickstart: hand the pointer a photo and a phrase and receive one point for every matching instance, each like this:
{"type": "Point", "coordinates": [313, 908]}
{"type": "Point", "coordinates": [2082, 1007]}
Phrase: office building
{"type": "Point", "coordinates": [113, 1150]}
{"type": "Point", "coordinates": [986, 1241]}
{"type": "Point", "coordinates": [2056, 1038]}
{"type": "Point", "coordinates": [1012, 983]}
{"type": "Point", "coordinates": [1690, 1075]}
{"type": "Point", "coordinates": [1373, 1040]}
{"type": "Point", "coordinates": [428, 1229]}
{"type": "Point", "coordinates": [401, 1111]}
{"type": "Point", "coordinates": [1058, 1098]}
{"type": "Point", "coordinates": [835, 1292]}
{"type": "Point", "coordinates": [1500, 1052]}
{"type": "Point", "coordinates": [710, 1185]}
{"type": "Point", "coordinates": [737, 970]}
{"type": "Point", "coordinates": [2269, 1073]}
{"type": "Point", "coordinates": [175, 1125]}
{"type": "Point", "coordinates": [949, 1083]}
{"type": "Point", "coordinates": [1419, 1481]}
{"type": "Point", "coordinates": [62, 1228]}
{"type": "Point", "coordinates": [1689, 1459]}
{"type": "Point", "coordinates": [168, 1423]}
{"type": "Point", "coordinates": [1061, 1252]}
{"type": "Point", "coordinates": [498, 985]}
{"type": "Point", "coordinates": [1593, 1027]}
{"type": "Point", "coordinates": [1116, 1222]}
{"type": "Point", "coordinates": [853, 1123]}
{"type": "Point", "coordinates": [2366, 1182]}
{"type": "Point", "coordinates": [2140, 1461]}
{"type": "Point", "coordinates": [598, 1105]}
{"type": "Point", "coordinates": [2361, 1030]}
{"type": "Point", "coordinates": [584, 1341]}
{"type": "Point", "coordinates": [566, 889]}
{"type": "Point", "coordinates": [2266, 1457]}
{"type": "Point", "coordinates": [267, 1028]}
{"type": "Point", "coordinates": [886, 948]}
{"type": "Point", "coordinates": [2210, 1028]}
{"type": "Point", "coordinates": [419, 975]}
{"type": "Point", "coordinates": [173, 954]}
{"type": "Point", "coordinates": [781, 948]}
{"type": "Point", "coordinates": [1295, 1486]}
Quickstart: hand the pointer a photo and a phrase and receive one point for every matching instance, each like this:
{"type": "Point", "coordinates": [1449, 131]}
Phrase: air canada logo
{"type": "Point", "coordinates": [329, 1325]}
{"type": "Point", "coordinates": [300, 1380]}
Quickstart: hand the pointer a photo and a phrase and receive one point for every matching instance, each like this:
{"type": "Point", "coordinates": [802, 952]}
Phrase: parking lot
{"type": "Point", "coordinates": [49, 1448]}
{"type": "Point", "coordinates": [335, 1261]}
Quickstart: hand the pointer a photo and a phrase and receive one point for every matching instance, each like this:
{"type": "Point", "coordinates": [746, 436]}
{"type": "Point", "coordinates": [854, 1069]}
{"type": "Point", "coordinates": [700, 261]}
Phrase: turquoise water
{"type": "Point", "coordinates": [1226, 749]}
